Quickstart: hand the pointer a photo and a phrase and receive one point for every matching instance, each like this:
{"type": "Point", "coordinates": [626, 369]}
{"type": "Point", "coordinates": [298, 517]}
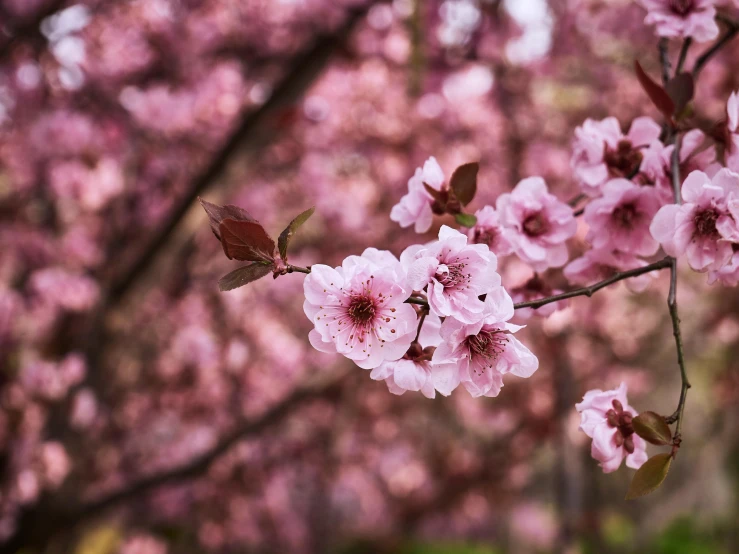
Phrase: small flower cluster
{"type": "Point", "coordinates": [364, 310]}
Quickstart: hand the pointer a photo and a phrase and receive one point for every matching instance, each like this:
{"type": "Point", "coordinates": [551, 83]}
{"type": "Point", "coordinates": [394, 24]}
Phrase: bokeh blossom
{"type": "Point", "coordinates": [537, 223]}
{"type": "Point", "coordinates": [732, 146]}
{"type": "Point", "coordinates": [600, 151]}
{"type": "Point", "coordinates": [488, 230]}
{"type": "Point", "coordinates": [704, 226]}
{"type": "Point", "coordinates": [682, 18]}
{"type": "Point", "coordinates": [359, 308]}
{"type": "Point", "coordinates": [455, 273]}
{"type": "Point", "coordinates": [415, 207]}
{"type": "Point", "coordinates": [596, 265]}
{"type": "Point", "coordinates": [606, 417]}
{"type": "Point", "coordinates": [485, 351]}
{"type": "Point", "coordinates": [620, 219]}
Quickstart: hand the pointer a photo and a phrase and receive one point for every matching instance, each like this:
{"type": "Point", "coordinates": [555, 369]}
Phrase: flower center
{"type": "Point", "coordinates": [362, 309]}
{"type": "Point", "coordinates": [454, 276]}
{"type": "Point", "coordinates": [622, 421]}
{"type": "Point", "coordinates": [681, 7]}
{"type": "Point", "coordinates": [626, 215]}
{"type": "Point", "coordinates": [488, 344]}
{"type": "Point", "coordinates": [705, 224]}
{"type": "Point", "coordinates": [624, 161]}
{"type": "Point", "coordinates": [484, 235]}
{"type": "Point", "coordinates": [535, 225]}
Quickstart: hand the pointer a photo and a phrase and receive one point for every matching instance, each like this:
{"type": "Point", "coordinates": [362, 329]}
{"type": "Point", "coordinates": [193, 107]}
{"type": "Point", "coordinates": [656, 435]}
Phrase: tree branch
{"type": "Point", "coordinates": [733, 29]}
{"type": "Point", "coordinates": [672, 301]}
{"type": "Point", "coordinates": [592, 289]}
{"type": "Point", "coordinates": [42, 522]}
{"type": "Point", "coordinates": [305, 68]}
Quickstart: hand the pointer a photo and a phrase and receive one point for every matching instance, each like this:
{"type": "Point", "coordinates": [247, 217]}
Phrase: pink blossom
{"type": "Point", "coordinates": [619, 220]}
{"type": "Point", "coordinates": [606, 418]}
{"type": "Point", "coordinates": [358, 309]}
{"type": "Point", "coordinates": [656, 167]}
{"type": "Point", "coordinates": [415, 207]}
{"type": "Point", "coordinates": [416, 371]}
{"type": "Point", "coordinates": [456, 274]}
{"type": "Point", "coordinates": [535, 289]}
{"type": "Point", "coordinates": [487, 350]}
{"type": "Point", "coordinates": [732, 148]}
{"type": "Point", "coordinates": [597, 265]}
{"type": "Point", "coordinates": [601, 151]}
{"type": "Point", "coordinates": [727, 275]}
{"type": "Point", "coordinates": [488, 230]}
{"type": "Point", "coordinates": [537, 224]}
{"type": "Point", "coordinates": [56, 464]}
{"type": "Point", "coordinates": [682, 18]}
{"type": "Point", "coordinates": [57, 286]}
{"type": "Point", "coordinates": [705, 224]}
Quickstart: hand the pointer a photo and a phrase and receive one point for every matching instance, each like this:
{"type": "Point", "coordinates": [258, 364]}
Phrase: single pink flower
{"type": "Point", "coordinates": [537, 224]}
{"type": "Point", "coordinates": [358, 309]}
{"type": "Point", "coordinates": [732, 147]}
{"type": "Point", "coordinates": [483, 352]}
{"type": "Point", "coordinates": [619, 220]}
{"type": "Point", "coordinates": [534, 289]}
{"type": "Point", "coordinates": [606, 418]}
{"type": "Point", "coordinates": [454, 273]}
{"type": "Point", "coordinates": [416, 371]}
{"type": "Point", "coordinates": [415, 207]}
{"type": "Point", "coordinates": [597, 265]}
{"type": "Point", "coordinates": [705, 224]}
{"type": "Point", "coordinates": [696, 154]}
{"type": "Point", "coordinates": [601, 151]}
{"type": "Point", "coordinates": [682, 18]}
{"type": "Point", "coordinates": [488, 230]}
{"type": "Point", "coordinates": [727, 275]}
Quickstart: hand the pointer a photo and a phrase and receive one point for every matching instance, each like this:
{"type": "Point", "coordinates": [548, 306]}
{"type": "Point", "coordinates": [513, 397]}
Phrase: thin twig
{"type": "Point", "coordinates": [592, 289]}
{"type": "Point", "coordinates": [672, 303]}
{"type": "Point", "coordinates": [420, 324]}
{"type": "Point", "coordinates": [723, 41]}
{"type": "Point", "coordinates": [664, 60]}
{"type": "Point", "coordinates": [683, 54]}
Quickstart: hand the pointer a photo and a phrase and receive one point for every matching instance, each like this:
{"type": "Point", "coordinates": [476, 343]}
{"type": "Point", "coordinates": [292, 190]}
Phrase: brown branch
{"type": "Point", "coordinates": [733, 29]}
{"type": "Point", "coordinates": [592, 289]}
{"type": "Point", "coordinates": [26, 28]}
{"type": "Point", "coordinates": [54, 515]}
{"type": "Point", "coordinates": [304, 69]}
{"type": "Point", "coordinates": [672, 303]}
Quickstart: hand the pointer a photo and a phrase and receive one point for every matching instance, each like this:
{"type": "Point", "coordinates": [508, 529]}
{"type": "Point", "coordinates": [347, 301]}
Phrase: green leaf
{"type": "Point", "coordinates": [465, 220]}
{"type": "Point", "coordinates": [284, 240]}
{"type": "Point", "coordinates": [464, 182]}
{"type": "Point", "coordinates": [244, 275]}
{"type": "Point", "coordinates": [649, 476]}
{"type": "Point", "coordinates": [652, 428]}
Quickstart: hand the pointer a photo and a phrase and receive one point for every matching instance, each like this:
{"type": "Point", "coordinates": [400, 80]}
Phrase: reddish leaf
{"type": "Point", "coordinates": [244, 275]}
{"type": "Point", "coordinates": [246, 241]}
{"type": "Point", "coordinates": [652, 428]}
{"type": "Point", "coordinates": [284, 240]}
{"type": "Point", "coordinates": [435, 194]}
{"type": "Point", "coordinates": [216, 214]}
{"type": "Point", "coordinates": [656, 93]}
{"type": "Point", "coordinates": [649, 476]}
{"type": "Point", "coordinates": [681, 89]}
{"type": "Point", "coordinates": [464, 182]}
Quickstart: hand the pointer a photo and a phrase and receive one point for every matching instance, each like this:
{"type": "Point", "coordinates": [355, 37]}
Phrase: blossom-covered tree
{"type": "Point", "coordinates": [474, 166]}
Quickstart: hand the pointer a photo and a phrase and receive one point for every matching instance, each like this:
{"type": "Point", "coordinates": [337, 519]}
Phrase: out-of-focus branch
{"type": "Point", "coordinates": [42, 522]}
{"type": "Point", "coordinates": [733, 29]}
{"type": "Point", "coordinates": [26, 28]}
{"type": "Point", "coordinates": [592, 289]}
{"type": "Point", "coordinates": [304, 69]}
